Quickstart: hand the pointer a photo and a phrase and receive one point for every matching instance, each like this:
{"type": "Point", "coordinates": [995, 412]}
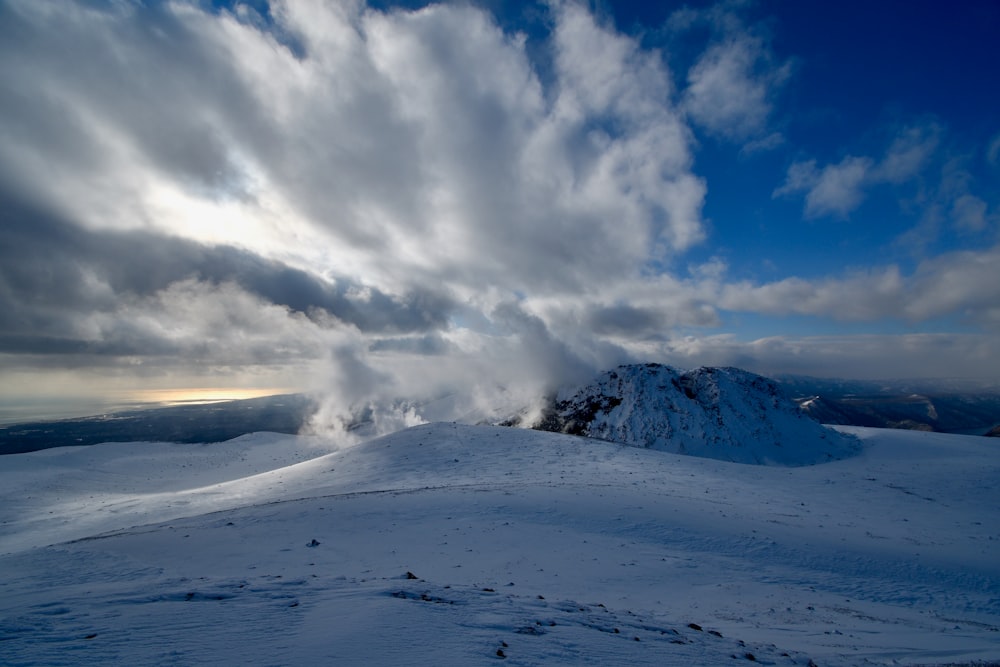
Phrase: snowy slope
{"type": "Point", "coordinates": [720, 413]}
{"type": "Point", "coordinates": [69, 492]}
{"type": "Point", "coordinates": [549, 548]}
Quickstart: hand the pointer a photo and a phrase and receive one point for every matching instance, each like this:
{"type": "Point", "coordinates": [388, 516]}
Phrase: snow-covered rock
{"type": "Point", "coordinates": [719, 413]}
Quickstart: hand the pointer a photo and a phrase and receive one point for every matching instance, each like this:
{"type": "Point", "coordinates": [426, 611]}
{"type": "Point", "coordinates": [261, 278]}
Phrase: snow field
{"type": "Point", "coordinates": [536, 545]}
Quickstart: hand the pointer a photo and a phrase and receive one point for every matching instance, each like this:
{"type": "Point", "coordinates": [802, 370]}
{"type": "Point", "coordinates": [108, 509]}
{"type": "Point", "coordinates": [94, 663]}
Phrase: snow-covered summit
{"type": "Point", "coordinates": [720, 413]}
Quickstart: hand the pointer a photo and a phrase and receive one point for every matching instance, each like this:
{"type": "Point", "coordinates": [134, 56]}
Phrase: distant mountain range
{"type": "Point", "coordinates": [948, 407]}
{"type": "Point", "coordinates": [212, 422]}
{"type": "Point", "coordinates": [648, 405]}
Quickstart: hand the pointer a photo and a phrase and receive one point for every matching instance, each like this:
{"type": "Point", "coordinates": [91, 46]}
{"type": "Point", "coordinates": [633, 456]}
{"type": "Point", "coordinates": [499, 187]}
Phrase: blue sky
{"type": "Point", "coordinates": [371, 198]}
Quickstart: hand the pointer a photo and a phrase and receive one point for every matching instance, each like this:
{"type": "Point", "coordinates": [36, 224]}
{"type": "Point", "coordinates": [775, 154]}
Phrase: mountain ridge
{"type": "Point", "coordinates": [952, 406]}
{"type": "Point", "coordinates": [722, 413]}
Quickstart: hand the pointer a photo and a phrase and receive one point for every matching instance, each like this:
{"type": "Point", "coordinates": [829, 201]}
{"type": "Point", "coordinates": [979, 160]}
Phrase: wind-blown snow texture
{"type": "Point", "coordinates": [719, 413]}
{"type": "Point", "coordinates": [447, 544]}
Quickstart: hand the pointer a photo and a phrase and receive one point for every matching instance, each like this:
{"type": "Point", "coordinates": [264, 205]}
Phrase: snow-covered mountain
{"type": "Point", "coordinates": [720, 413]}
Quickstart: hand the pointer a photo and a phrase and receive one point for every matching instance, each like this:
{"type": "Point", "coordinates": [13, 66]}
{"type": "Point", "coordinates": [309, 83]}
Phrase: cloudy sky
{"type": "Point", "coordinates": [362, 198]}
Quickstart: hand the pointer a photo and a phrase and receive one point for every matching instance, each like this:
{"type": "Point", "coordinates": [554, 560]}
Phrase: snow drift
{"type": "Point", "coordinates": [719, 413]}
{"type": "Point", "coordinates": [448, 544]}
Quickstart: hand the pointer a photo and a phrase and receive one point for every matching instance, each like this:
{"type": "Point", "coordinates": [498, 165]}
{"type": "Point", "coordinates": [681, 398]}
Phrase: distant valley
{"type": "Point", "coordinates": [938, 407]}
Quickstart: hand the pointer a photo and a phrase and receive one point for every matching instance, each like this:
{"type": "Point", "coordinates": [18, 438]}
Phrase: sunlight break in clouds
{"type": "Point", "coordinates": [397, 148]}
{"type": "Point", "coordinates": [393, 157]}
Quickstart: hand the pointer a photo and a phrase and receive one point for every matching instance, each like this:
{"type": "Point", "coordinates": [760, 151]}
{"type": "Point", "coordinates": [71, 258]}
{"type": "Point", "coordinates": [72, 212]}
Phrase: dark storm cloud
{"type": "Point", "coordinates": [624, 319]}
{"type": "Point", "coordinates": [54, 275]}
{"type": "Point", "coordinates": [430, 344]}
{"type": "Point", "coordinates": [540, 349]}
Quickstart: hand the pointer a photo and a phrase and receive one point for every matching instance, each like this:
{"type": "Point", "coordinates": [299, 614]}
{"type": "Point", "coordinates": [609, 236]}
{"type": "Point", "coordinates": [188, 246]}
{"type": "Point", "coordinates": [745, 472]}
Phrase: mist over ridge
{"type": "Point", "coordinates": [750, 407]}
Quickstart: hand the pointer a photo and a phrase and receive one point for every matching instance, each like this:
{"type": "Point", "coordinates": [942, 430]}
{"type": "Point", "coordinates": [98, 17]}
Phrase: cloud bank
{"type": "Point", "coordinates": [377, 203]}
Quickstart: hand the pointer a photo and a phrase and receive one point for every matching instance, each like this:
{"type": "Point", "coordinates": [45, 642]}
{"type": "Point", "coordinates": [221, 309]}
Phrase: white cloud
{"type": "Point", "coordinates": [839, 189]}
{"type": "Point", "coordinates": [993, 151]}
{"type": "Point", "coordinates": [961, 282]}
{"type": "Point", "coordinates": [908, 154]}
{"type": "Point", "coordinates": [763, 144]}
{"type": "Point", "coordinates": [950, 204]}
{"type": "Point", "coordinates": [968, 213]}
{"type": "Point", "coordinates": [836, 189]}
{"type": "Point", "coordinates": [731, 87]}
{"type": "Point", "coordinates": [871, 356]}
{"type": "Point", "coordinates": [861, 296]}
{"type": "Point", "coordinates": [955, 196]}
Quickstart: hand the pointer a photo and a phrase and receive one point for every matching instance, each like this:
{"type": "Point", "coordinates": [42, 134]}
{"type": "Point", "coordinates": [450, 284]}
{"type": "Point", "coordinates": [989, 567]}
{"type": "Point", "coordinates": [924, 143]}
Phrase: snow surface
{"type": "Point", "coordinates": [550, 549]}
{"type": "Point", "coordinates": [720, 413]}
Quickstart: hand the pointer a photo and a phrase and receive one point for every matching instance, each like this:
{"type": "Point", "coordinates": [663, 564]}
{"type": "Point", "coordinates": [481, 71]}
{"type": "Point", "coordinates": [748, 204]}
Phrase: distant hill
{"type": "Point", "coordinates": [213, 422]}
{"type": "Point", "coordinates": [720, 413]}
{"type": "Point", "coordinates": [950, 407]}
